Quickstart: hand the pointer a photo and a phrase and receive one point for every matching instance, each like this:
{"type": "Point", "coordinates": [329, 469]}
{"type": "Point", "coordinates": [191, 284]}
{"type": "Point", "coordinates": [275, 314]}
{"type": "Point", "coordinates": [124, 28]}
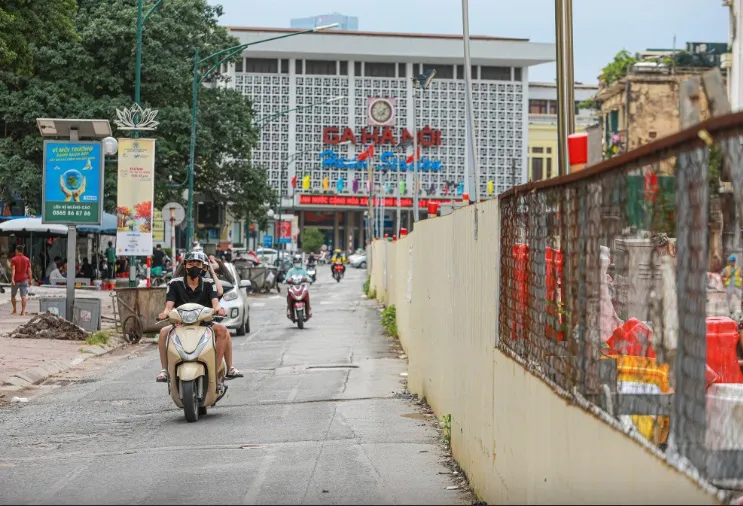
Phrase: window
{"type": "Point", "coordinates": [320, 67]}
{"type": "Point", "coordinates": [517, 73]}
{"type": "Point", "coordinates": [460, 72]}
{"type": "Point", "coordinates": [357, 69]}
{"type": "Point", "coordinates": [239, 65]}
{"type": "Point", "coordinates": [537, 106]}
{"type": "Point", "coordinates": [284, 66]}
{"type": "Point", "coordinates": [442, 71]}
{"type": "Point", "coordinates": [549, 165]}
{"type": "Point", "coordinates": [261, 66]}
{"type": "Point", "coordinates": [495, 73]}
{"type": "Point", "coordinates": [402, 70]}
{"type": "Point", "coordinates": [344, 68]}
{"type": "Point", "coordinates": [537, 149]}
{"type": "Point", "coordinates": [537, 169]}
{"type": "Point", "coordinates": [379, 69]}
{"type": "Point", "coordinates": [298, 67]}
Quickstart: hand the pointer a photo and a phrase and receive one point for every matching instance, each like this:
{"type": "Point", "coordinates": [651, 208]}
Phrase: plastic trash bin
{"type": "Point", "coordinates": [54, 305]}
{"type": "Point", "coordinates": [87, 313]}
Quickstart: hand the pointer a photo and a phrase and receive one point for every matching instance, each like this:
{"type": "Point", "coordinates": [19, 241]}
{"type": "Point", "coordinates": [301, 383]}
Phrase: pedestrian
{"type": "Point", "coordinates": [731, 280]}
{"type": "Point", "coordinates": [20, 278]}
{"type": "Point", "coordinates": [110, 260]}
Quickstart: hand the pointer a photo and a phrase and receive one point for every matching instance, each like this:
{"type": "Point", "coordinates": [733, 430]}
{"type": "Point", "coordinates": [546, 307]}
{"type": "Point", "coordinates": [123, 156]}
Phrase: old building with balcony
{"type": "Point", "coordinates": [643, 105]}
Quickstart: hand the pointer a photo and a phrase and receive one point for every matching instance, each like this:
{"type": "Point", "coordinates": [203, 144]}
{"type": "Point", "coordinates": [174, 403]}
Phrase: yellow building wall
{"type": "Point", "coordinates": [543, 144]}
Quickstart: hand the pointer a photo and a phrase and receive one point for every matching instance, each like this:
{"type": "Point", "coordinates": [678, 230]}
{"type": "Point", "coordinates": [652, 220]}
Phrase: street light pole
{"type": "Point", "coordinates": [141, 18]}
{"type": "Point", "coordinates": [219, 58]}
{"type": "Point", "coordinates": [192, 149]}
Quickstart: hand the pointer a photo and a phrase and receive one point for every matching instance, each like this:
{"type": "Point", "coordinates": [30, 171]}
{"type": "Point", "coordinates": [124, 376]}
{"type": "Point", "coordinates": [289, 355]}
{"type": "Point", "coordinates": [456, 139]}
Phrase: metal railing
{"type": "Point", "coordinates": [581, 120]}
{"type": "Point", "coordinates": [610, 290]}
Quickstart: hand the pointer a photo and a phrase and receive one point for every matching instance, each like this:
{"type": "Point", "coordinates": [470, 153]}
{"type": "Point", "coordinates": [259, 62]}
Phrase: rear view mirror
{"type": "Point", "coordinates": [245, 283]}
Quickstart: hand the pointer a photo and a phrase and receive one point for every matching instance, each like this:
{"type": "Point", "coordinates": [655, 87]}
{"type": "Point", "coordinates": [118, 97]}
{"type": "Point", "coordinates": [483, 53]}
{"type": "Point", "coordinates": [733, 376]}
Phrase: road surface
{"type": "Point", "coordinates": [318, 419]}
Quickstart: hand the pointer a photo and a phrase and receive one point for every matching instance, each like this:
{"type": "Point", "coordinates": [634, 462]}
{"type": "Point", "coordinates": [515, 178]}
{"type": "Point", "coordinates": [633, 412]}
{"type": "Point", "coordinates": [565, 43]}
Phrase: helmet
{"type": "Point", "coordinates": [731, 258]}
{"type": "Point", "coordinates": [197, 256]}
{"type": "Point", "coordinates": [297, 259]}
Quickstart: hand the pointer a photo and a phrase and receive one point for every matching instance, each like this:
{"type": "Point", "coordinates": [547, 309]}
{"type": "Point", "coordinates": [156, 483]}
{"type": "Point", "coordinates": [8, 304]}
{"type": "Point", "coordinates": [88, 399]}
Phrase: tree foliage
{"type": "Point", "coordinates": [92, 74]}
{"type": "Point", "coordinates": [312, 239]}
{"type": "Point", "coordinates": [26, 24]}
{"type": "Point", "coordinates": [618, 68]}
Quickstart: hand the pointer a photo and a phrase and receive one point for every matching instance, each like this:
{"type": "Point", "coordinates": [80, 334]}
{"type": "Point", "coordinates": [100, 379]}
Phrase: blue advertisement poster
{"type": "Point", "coordinates": [72, 182]}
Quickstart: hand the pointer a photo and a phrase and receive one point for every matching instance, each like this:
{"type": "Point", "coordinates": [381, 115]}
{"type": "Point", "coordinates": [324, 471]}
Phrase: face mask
{"type": "Point", "coordinates": [194, 272]}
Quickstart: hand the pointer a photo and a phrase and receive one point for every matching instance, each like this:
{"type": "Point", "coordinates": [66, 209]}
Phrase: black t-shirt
{"type": "Point", "coordinates": [157, 258]}
{"type": "Point", "coordinates": [180, 293]}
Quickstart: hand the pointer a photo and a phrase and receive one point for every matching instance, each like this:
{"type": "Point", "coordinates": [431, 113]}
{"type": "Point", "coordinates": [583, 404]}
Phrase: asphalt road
{"type": "Point", "coordinates": [318, 419]}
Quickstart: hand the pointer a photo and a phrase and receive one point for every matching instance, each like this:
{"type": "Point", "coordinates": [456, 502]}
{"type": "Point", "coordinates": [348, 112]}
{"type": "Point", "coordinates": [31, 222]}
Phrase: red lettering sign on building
{"type": "Point", "coordinates": [351, 201]}
{"type": "Point", "coordinates": [427, 136]}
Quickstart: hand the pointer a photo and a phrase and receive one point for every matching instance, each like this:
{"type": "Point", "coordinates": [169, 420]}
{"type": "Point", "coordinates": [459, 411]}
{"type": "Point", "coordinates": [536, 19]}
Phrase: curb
{"type": "Point", "coordinates": [39, 374]}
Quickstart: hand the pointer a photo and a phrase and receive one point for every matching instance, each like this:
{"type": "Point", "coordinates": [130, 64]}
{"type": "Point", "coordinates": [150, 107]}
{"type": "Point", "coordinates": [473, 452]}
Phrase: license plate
{"type": "Point", "coordinates": [299, 305]}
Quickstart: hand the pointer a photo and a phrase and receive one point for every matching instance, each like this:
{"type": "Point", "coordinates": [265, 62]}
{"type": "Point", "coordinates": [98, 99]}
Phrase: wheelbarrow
{"type": "Point", "coordinates": [136, 311]}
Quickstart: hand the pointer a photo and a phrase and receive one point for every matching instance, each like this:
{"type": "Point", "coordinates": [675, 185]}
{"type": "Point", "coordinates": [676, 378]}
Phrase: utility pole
{"type": "Point", "coordinates": [565, 81]}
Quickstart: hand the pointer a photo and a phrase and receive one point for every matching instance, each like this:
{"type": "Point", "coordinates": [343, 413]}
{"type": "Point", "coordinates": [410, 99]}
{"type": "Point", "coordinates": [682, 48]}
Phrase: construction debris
{"type": "Point", "coordinates": [48, 326]}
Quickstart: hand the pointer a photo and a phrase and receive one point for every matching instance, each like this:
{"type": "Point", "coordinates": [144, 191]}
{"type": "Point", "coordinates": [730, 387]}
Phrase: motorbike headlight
{"type": "Point", "coordinates": [189, 317]}
{"type": "Point", "coordinates": [231, 295]}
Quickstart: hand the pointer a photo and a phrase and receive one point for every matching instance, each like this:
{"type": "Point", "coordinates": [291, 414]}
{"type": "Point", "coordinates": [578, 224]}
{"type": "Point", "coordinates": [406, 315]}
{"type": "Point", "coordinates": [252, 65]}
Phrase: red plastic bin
{"type": "Point", "coordinates": [722, 343]}
{"type": "Point", "coordinates": [629, 338]}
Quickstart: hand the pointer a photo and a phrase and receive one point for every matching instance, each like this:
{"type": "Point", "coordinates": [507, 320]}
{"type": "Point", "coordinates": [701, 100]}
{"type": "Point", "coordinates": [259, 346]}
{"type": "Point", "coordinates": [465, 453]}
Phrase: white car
{"type": "Point", "coordinates": [357, 258]}
{"type": "Point", "coordinates": [235, 300]}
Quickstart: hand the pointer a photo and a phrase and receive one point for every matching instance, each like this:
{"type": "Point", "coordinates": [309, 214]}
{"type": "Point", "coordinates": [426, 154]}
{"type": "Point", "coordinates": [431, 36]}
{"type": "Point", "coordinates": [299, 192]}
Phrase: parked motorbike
{"type": "Point", "coordinates": [191, 361]}
{"type": "Point", "coordinates": [161, 276]}
{"type": "Point", "coordinates": [338, 272]}
{"type": "Point", "coordinates": [298, 291]}
{"type": "Point", "coordinates": [312, 272]}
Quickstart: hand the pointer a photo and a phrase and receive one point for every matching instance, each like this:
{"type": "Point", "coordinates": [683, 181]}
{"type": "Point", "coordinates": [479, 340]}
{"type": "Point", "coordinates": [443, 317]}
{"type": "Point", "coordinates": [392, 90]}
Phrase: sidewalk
{"type": "Point", "coordinates": [25, 362]}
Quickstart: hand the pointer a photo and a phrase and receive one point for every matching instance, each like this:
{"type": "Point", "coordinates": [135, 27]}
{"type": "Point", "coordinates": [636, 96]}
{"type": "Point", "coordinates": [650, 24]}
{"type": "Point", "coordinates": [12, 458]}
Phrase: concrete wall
{"type": "Point", "coordinates": [518, 440]}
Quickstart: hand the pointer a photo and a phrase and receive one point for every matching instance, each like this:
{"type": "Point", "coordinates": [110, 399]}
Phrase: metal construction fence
{"type": "Point", "coordinates": [614, 287]}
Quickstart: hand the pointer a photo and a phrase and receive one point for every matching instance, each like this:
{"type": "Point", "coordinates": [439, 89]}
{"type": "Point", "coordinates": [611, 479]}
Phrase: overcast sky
{"type": "Point", "coordinates": [601, 28]}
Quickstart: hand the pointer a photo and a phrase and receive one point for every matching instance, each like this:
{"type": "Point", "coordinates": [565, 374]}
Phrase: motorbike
{"type": "Point", "coordinates": [297, 291]}
{"type": "Point", "coordinates": [338, 272]}
{"type": "Point", "coordinates": [163, 276]}
{"type": "Point", "coordinates": [191, 361]}
{"type": "Point", "coordinates": [312, 272]}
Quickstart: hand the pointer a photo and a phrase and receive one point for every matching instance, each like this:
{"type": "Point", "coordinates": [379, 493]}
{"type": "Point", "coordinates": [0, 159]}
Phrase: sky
{"type": "Point", "coordinates": [600, 28]}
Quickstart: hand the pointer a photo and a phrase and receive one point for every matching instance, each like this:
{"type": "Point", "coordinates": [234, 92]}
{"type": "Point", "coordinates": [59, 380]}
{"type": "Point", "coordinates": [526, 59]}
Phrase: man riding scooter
{"type": "Point", "coordinates": [297, 270]}
{"type": "Point", "coordinates": [338, 258]}
{"type": "Point", "coordinates": [194, 288]}
{"type": "Point", "coordinates": [312, 267]}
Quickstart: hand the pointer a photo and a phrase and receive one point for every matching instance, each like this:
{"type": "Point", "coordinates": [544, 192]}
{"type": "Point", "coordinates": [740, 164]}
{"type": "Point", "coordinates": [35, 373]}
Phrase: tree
{"type": "Point", "coordinates": [618, 68]}
{"type": "Point", "coordinates": [92, 75]}
{"type": "Point", "coordinates": [25, 24]}
{"type": "Point", "coordinates": [312, 239]}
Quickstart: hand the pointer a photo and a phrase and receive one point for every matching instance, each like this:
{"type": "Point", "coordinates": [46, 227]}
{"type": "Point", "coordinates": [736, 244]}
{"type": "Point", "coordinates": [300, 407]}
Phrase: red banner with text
{"type": "Point", "coordinates": [351, 201]}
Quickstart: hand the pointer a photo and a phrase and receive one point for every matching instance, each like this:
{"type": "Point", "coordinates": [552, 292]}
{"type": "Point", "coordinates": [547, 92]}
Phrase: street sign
{"type": "Point", "coordinates": [267, 241]}
{"type": "Point", "coordinates": [285, 240]}
{"type": "Point", "coordinates": [158, 227]}
{"type": "Point", "coordinates": [180, 213]}
{"type": "Point", "coordinates": [72, 188]}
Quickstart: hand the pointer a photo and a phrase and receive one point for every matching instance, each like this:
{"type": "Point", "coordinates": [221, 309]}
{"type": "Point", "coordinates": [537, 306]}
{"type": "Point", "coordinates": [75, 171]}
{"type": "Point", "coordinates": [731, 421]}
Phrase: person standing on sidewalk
{"type": "Point", "coordinates": [110, 259]}
{"type": "Point", "coordinates": [731, 280]}
{"type": "Point", "coordinates": [20, 278]}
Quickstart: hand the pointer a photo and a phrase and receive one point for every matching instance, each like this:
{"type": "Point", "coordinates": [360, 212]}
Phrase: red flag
{"type": "Point", "coordinates": [415, 157]}
{"type": "Point", "coordinates": [294, 181]}
{"type": "Point", "coordinates": [367, 153]}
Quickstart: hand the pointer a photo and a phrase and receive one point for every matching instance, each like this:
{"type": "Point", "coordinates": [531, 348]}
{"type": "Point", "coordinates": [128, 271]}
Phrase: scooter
{"type": "Point", "coordinates": [298, 291]}
{"type": "Point", "coordinates": [192, 361]}
{"type": "Point", "coordinates": [161, 276]}
{"type": "Point", "coordinates": [312, 273]}
{"type": "Point", "coordinates": [338, 272]}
